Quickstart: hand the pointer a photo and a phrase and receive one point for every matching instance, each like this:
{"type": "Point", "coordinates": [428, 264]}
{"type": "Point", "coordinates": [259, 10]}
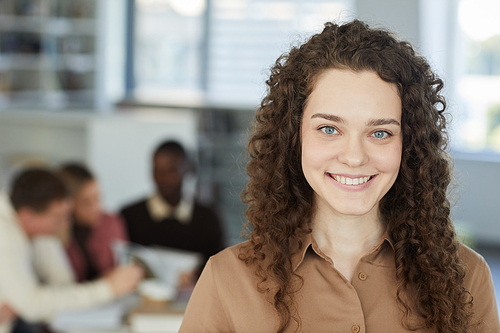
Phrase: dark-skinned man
{"type": "Point", "coordinates": [170, 217]}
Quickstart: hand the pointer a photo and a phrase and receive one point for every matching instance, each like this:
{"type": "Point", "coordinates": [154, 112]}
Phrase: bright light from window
{"type": "Point", "coordinates": [189, 7]}
{"type": "Point", "coordinates": [479, 18]}
{"type": "Point", "coordinates": [478, 76]}
{"type": "Point", "coordinates": [271, 10]}
{"type": "Point", "coordinates": [182, 7]}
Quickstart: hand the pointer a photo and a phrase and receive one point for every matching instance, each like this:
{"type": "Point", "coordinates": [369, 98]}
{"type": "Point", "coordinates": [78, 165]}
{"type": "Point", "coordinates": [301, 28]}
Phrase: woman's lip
{"type": "Point", "coordinates": [349, 175]}
{"type": "Point", "coordinates": [351, 185]}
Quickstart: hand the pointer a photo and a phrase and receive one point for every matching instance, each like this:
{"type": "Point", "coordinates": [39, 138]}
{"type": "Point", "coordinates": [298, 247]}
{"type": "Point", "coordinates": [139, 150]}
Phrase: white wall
{"type": "Point", "coordinates": [117, 147]}
{"type": "Point", "coordinates": [478, 198]}
{"type": "Point", "coordinates": [35, 138]}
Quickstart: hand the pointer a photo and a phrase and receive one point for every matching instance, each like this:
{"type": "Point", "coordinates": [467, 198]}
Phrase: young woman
{"type": "Point", "coordinates": [93, 232]}
{"type": "Point", "coordinates": [351, 228]}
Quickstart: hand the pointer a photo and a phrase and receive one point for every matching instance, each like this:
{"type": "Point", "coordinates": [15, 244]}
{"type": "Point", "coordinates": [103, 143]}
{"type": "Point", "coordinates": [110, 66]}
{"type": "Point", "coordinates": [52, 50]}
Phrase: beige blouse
{"type": "Point", "coordinates": [226, 298]}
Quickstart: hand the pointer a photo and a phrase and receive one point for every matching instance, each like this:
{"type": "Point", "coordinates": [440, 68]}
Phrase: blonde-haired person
{"type": "Point", "coordinates": [92, 232]}
{"type": "Point", "coordinates": [351, 228]}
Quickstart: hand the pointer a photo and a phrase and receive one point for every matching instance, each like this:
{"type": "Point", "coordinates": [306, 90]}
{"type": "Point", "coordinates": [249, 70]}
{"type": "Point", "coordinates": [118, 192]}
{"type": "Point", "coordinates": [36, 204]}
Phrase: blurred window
{"type": "Point", "coordinates": [477, 71]}
{"type": "Point", "coordinates": [168, 48]}
{"type": "Point", "coordinates": [219, 51]}
{"type": "Point", "coordinates": [246, 38]}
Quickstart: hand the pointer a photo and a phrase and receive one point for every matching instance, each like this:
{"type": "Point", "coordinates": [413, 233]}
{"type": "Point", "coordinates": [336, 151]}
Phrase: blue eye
{"type": "Point", "coordinates": [328, 130]}
{"type": "Point", "coordinates": [381, 134]}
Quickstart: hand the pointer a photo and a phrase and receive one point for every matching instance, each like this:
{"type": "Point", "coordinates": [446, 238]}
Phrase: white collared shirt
{"type": "Point", "coordinates": [160, 209]}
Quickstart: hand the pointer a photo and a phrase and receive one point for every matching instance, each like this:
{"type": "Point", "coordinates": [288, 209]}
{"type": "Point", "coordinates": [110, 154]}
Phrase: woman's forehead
{"type": "Point", "coordinates": [353, 95]}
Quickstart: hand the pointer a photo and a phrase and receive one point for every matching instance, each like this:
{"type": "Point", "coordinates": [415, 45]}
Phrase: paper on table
{"type": "Point", "coordinates": [107, 317]}
{"type": "Point", "coordinates": [165, 264]}
{"type": "Point", "coordinates": [155, 323]}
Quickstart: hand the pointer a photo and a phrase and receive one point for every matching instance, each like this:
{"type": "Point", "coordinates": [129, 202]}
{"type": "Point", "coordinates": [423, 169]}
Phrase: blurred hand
{"type": "Point", "coordinates": [6, 314]}
{"type": "Point", "coordinates": [124, 279]}
{"type": "Point", "coordinates": [187, 280]}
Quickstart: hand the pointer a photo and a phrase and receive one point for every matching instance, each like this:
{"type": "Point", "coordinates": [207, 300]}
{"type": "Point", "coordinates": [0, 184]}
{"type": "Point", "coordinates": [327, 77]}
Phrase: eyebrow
{"type": "Point", "coordinates": [328, 116]}
{"type": "Point", "coordinates": [373, 122]}
{"type": "Point", "coordinates": [384, 121]}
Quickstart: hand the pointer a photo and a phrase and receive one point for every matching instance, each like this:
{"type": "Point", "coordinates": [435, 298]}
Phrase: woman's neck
{"type": "Point", "coordinates": [347, 235]}
{"type": "Point", "coordinates": [346, 239]}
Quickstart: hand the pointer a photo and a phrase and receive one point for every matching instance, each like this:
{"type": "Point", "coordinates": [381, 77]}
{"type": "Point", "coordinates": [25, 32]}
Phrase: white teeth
{"type": "Point", "coordinates": [351, 181]}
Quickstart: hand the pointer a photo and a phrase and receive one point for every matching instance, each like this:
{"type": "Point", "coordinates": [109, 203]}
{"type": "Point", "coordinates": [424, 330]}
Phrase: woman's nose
{"type": "Point", "coordinates": [353, 152]}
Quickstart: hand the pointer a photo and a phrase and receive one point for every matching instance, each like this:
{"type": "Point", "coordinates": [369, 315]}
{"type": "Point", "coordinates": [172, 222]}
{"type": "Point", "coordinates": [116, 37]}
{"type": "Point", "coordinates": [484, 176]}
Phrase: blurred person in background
{"type": "Point", "coordinates": [38, 205]}
{"type": "Point", "coordinates": [171, 217]}
{"type": "Point", "coordinates": [90, 238]}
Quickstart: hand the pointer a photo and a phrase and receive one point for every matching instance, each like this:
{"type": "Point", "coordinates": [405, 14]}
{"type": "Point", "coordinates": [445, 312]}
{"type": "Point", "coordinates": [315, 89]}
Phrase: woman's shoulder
{"type": "Point", "coordinates": [111, 220]}
{"type": "Point", "coordinates": [111, 225]}
{"type": "Point", "coordinates": [476, 268]}
{"type": "Point", "coordinates": [230, 262]}
{"type": "Point", "coordinates": [231, 255]}
{"type": "Point", "coordinates": [110, 217]}
{"type": "Point", "coordinates": [479, 284]}
{"type": "Point", "coordinates": [470, 258]}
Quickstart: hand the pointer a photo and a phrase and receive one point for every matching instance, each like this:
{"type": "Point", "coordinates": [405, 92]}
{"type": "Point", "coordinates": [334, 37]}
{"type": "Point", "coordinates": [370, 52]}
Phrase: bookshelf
{"type": "Point", "coordinates": [48, 53]}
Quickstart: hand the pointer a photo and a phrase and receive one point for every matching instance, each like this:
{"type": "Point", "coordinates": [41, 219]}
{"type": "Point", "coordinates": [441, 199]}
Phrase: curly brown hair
{"type": "Point", "coordinates": [416, 208]}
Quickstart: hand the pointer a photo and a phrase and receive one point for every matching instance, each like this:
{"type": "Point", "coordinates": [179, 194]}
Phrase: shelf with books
{"type": "Point", "coordinates": [48, 53]}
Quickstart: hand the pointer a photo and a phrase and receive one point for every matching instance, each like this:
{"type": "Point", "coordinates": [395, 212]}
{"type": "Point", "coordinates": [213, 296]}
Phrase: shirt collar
{"type": "Point", "coordinates": [309, 241]}
{"type": "Point", "coordinates": [160, 209]}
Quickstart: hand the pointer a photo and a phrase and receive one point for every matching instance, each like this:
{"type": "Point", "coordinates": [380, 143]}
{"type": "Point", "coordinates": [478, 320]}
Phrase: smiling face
{"type": "Point", "coordinates": [351, 141]}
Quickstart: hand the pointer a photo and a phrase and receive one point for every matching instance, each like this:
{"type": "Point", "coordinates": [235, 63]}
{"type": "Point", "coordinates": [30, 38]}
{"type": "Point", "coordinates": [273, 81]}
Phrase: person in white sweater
{"type": "Point", "coordinates": [35, 290]}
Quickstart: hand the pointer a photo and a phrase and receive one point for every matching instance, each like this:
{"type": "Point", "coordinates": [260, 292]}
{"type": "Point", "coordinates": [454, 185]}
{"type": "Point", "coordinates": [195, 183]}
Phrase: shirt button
{"type": "Point", "coordinates": [362, 276]}
{"type": "Point", "coordinates": [355, 329]}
